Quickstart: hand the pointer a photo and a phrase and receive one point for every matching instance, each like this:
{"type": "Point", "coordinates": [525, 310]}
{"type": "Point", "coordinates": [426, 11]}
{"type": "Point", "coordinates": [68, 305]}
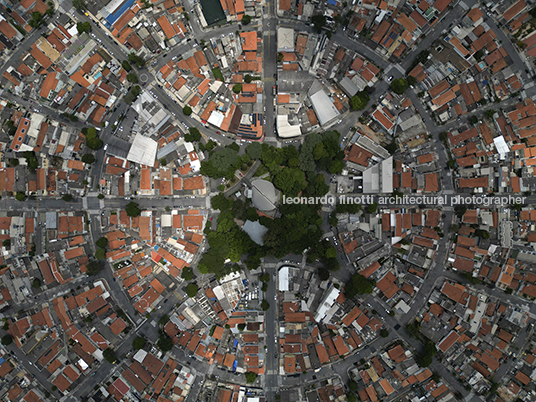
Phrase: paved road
{"type": "Point", "coordinates": [269, 55]}
{"type": "Point", "coordinates": [271, 367]}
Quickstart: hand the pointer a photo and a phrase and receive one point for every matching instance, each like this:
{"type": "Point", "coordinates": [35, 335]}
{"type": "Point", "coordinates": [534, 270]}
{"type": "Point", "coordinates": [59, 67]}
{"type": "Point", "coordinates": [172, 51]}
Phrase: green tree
{"type": "Point", "coordinates": [7, 340]}
{"type": "Point", "coordinates": [20, 196]}
{"type": "Point", "coordinates": [323, 274]}
{"type": "Point", "coordinates": [318, 21]}
{"type": "Point", "coordinates": [336, 166]}
{"type": "Point", "coordinates": [488, 114]}
{"type": "Point", "coordinates": [399, 85]}
{"type": "Point", "coordinates": [220, 164]}
{"type": "Point", "coordinates": [6, 243]}
{"type": "Point", "coordinates": [187, 110]}
{"type": "Point", "coordinates": [132, 78]}
{"type": "Point", "coordinates": [353, 386]}
{"type": "Point", "coordinates": [248, 78]}
{"type": "Point", "coordinates": [133, 58]}
{"type": "Point", "coordinates": [94, 267]}
{"type": "Point", "coordinates": [359, 101]}
{"type": "Point", "coordinates": [67, 197]}
{"type": "Point", "coordinates": [193, 135]}
{"type": "Point", "coordinates": [163, 320]}
{"type": "Point", "coordinates": [473, 119]}
{"type": "Point", "coordinates": [92, 139]}
{"type": "Point", "coordinates": [100, 196]}
{"type": "Point", "coordinates": [254, 150]}
{"type": "Point", "coordinates": [187, 274]}
{"type": "Point", "coordinates": [132, 209]}
{"type": "Point", "coordinates": [126, 65]}
{"type": "Point", "coordinates": [102, 242]}
{"type": "Point", "coordinates": [219, 201]}
{"type": "Point", "coordinates": [164, 343]}
{"type": "Point", "coordinates": [246, 19]}
{"type": "Point", "coordinates": [83, 27]}
{"type": "Point", "coordinates": [191, 289]}
{"type": "Point", "coordinates": [351, 397]}
{"type": "Point", "coordinates": [251, 377]}
{"type": "Point", "coordinates": [80, 4]}
{"type": "Point", "coordinates": [358, 284]}
{"type": "Point", "coordinates": [411, 80]}
{"type": "Point", "coordinates": [290, 181]}
{"type": "Point", "coordinates": [138, 343]}
{"type": "Point", "coordinates": [265, 305]}
{"type": "Point", "coordinates": [100, 254]}
{"type": "Point", "coordinates": [31, 160]}
{"type": "Point", "coordinates": [241, 327]}
{"type": "Point", "coordinates": [372, 208]}
{"type": "Point", "coordinates": [110, 355]}
{"type": "Point", "coordinates": [331, 252]}
{"type": "Point", "coordinates": [237, 88]}
{"type": "Point", "coordinates": [88, 158]}
{"type": "Point", "coordinates": [36, 20]}
{"type": "Point", "coordinates": [384, 333]}
{"type": "Point", "coordinates": [14, 162]}
{"type": "Point", "coordinates": [36, 283]}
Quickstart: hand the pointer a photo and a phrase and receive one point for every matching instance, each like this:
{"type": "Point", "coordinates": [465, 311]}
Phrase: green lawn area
{"type": "Point", "coordinates": [217, 73]}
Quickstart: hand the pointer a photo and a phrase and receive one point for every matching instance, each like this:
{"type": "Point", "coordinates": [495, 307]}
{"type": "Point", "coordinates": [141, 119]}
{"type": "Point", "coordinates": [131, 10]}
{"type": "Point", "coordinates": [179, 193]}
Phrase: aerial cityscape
{"type": "Point", "coordinates": [260, 201]}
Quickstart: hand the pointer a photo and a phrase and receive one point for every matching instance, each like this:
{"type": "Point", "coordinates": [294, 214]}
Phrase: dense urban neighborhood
{"type": "Point", "coordinates": [260, 201]}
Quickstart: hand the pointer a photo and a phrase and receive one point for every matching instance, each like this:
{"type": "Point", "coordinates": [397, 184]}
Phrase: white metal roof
{"type": "Point", "coordinates": [143, 151]}
{"type": "Point", "coordinates": [323, 106]}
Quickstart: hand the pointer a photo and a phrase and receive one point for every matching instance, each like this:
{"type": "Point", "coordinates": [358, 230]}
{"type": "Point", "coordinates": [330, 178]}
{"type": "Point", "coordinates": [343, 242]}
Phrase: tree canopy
{"type": "Point", "coordinates": [219, 201]}
{"type": "Point", "coordinates": [31, 160]}
{"type": "Point", "coordinates": [318, 21]}
{"type": "Point", "coordinates": [36, 20]}
{"type": "Point", "coordinates": [102, 242]}
{"type": "Point", "coordinates": [126, 65]}
{"type": "Point", "coordinates": [358, 284]}
{"type": "Point", "coordinates": [132, 209]}
{"type": "Point", "coordinates": [94, 267]}
{"type": "Point", "coordinates": [138, 343]}
{"type": "Point", "coordinates": [237, 88]}
{"type": "Point", "coordinates": [100, 254]}
{"type": "Point", "coordinates": [399, 85]}
{"type": "Point", "coordinates": [265, 305]}
{"type": "Point", "coordinates": [80, 4]}
{"type": "Point", "coordinates": [164, 343]}
{"type": "Point", "coordinates": [251, 377]}
{"type": "Point", "coordinates": [133, 58]}
{"type": "Point", "coordinates": [193, 135]}
{"type": "Point", "coordinates": [187, 110]}
{"type": "Point", "coordinates": [191, 289]}
{"type": "Point", "coordinates": [132, 78]}
{"type": "Point", "coordinates": [88, 158]}
{"type": "Point", "coordinates": [7, 340]}
{"type": "Point", "coordinates": [246, 19]}
{"type": "Point", "coordinates": [187, 274]}
{"type": "Point", "coordinates": [221, 163]}
{"type": "Point", "coordinates": [92, 139]}
{"type": "Point", "coordinates": [83, 27]}
{"type": "Point", "coordinates": [359, 101]}
{"type": "Point", "coordinates": [228, 241]}
{"type": "Point", "coordinates": [321, 151]}
{"type": "Point", "coordinates": [254, 150]}
{"type": "Point", "coordinates": [109, 355]}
